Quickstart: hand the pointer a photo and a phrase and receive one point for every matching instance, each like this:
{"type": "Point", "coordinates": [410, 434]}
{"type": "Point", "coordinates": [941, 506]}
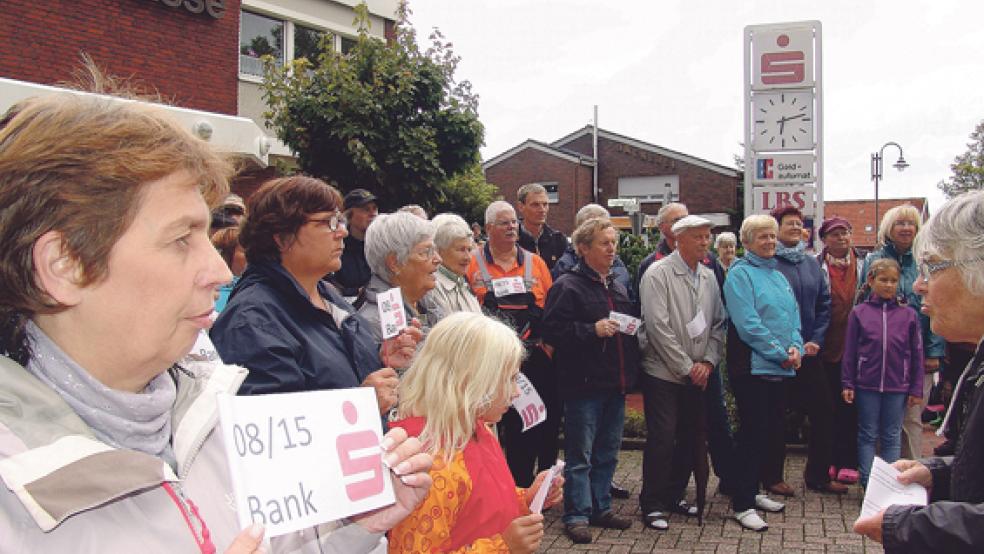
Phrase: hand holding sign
{"type": "Point", "coordinates": [548, 486]}
{"type": "Point", "coordinates": [626, 323]}
{"type": "Point", "coordinates": [392, 318]}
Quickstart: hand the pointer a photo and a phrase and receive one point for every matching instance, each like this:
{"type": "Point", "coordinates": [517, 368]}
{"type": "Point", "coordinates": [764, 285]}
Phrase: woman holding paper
{"type": "Point", "coordinates": [461, 383]}
{"type": "Point", "coordinates": [764, 348]}
{"type": "Point", "coordinates": [107, 277]}
{"type": "Point", "coordinates": [950, 254]}
{"type": "Point", "coordinates": [597, 358]}
{"type": "Point", "coordinates": [400, 251]}
{"type": "Point", "coordinates": [289, 327]}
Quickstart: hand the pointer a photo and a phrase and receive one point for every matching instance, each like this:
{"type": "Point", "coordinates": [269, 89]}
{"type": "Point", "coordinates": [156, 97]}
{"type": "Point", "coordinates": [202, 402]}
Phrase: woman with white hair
{"type": "Point", "coordinates": [896, 235]}
{"type": "Point", "coordinates": [460, 384]}
{"type": "Point", "coordinates": [401, 253]}
{"type": "Point", "coordinates": [726, 245]}
{"type": "Point", "coordinates": [950, 250]}
{"type": "Point", "coordinates": [454, 243]}
{"type": "Point", "coordinates": [764, 349]}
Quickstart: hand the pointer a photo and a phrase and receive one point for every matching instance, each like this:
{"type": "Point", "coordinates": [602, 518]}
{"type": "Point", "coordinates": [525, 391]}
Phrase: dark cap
{"type": "Point", "coordinates": [358, 197]}
{"type": "Point", "coordinates": [831, 223]}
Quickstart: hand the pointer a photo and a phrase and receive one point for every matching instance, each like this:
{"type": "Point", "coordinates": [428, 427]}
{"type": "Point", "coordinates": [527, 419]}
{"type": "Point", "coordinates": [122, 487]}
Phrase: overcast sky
{"type": "Point", "coordinates": [669, 72]}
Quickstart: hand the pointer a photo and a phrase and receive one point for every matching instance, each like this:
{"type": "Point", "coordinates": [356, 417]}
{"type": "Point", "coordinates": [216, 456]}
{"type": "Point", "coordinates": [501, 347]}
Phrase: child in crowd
{"type": "Point", "coordinates": [882, 365]}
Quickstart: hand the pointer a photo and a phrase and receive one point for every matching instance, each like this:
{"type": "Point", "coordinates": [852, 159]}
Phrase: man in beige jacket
{"type": "Point", "coordinates": [685, 329]}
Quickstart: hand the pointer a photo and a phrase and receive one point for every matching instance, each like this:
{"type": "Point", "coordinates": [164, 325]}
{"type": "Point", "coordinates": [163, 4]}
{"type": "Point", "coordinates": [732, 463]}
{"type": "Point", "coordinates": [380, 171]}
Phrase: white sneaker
{"type": "Point", "coordinates": [657, 520]}
{"type": "Point", "coordinates": [749, 519]}
{"type": "Point", "coordinates": [766, 504]}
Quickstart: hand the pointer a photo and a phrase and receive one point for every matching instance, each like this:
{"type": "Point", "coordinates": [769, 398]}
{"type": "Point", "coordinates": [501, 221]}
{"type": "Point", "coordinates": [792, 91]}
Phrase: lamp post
{"type": "Point", "coordinates": [876, 171]}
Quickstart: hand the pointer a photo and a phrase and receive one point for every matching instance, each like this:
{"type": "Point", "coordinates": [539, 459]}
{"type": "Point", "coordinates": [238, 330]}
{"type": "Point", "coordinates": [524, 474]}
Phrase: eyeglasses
{"type": "Point", "coordinates": [506, 223]}
{"type": "Point", "coordinates": [334, 223]}
{"type": "Point", "coordinates": [927, 269]}
{"type": "Point", "coordinates": [426, 253]}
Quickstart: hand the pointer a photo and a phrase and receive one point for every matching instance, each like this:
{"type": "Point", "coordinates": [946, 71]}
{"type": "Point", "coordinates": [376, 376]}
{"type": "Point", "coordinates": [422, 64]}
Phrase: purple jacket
{"type": "Point", "coordinates": [883, 349]}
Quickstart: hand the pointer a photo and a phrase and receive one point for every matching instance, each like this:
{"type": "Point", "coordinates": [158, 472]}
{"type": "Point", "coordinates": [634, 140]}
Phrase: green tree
{"type": "Point", "coordinates": [968, 168]}
{"type": "Point", "coordinates": [384, 116]}
{"type": "Point", "coordinates": [467, 194]}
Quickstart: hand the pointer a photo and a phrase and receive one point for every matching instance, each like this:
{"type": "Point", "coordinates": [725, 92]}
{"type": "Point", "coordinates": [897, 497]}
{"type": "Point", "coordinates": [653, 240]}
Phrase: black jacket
{"type": "Point", "coordinates": [585, 362]}
{"type": "Point", "coordinates": [550, 246]}
{"type": "Point", "coordinates": [954, 521]}
{"type": "Point", "coordinates": [271, 328]}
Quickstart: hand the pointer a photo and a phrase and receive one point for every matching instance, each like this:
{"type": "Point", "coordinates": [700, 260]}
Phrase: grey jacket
{"type": "Point", "coordinates": [68, 492]}
{"type": "Point", "coordinates": [670, 300]}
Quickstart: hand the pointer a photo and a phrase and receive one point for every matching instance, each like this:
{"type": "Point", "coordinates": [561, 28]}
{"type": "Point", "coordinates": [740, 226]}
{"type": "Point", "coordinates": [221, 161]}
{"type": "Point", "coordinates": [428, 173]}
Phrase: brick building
{"type": "Point", "coordinates": [201, 56]}
{"type": "Point", "coordinates": [861, 214]}
{"type": "Point", "coordinates": [626, 167]}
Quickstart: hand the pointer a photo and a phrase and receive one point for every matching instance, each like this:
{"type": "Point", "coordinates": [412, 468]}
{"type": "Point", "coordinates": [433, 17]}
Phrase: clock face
{"type": "Point", "coordinates": [782, 121]}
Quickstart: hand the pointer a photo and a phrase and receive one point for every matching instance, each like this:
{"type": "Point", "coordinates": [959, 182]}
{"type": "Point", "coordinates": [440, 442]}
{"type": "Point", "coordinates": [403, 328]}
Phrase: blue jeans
{"type": "Point", "coordinates": [592, 438]}
{"type": "Point", "coordinates": [879, 420]}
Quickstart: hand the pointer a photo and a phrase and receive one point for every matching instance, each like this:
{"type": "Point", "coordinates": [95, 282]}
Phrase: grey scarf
{"type": "Point", "coordinates": [136, 421]}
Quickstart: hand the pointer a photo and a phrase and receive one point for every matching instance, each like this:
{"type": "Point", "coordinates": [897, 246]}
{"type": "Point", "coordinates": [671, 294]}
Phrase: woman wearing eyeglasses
{"type": "Point", "coordinates": [951, 253]}
{"type": "Point", "coordinates": [291, 329]}
{"type": "Point", "coordinates": [401, 253]}
{"type": "Point", "coordinates": [896, 234]}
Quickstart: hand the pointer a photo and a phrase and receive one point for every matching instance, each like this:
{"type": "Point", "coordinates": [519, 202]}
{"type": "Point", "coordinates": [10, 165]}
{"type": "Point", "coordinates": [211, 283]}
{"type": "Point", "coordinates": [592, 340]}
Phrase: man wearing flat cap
{"type": "Point", "coordinates": [360, 210]}
{"type": "Point", "coordinates": [685, 329]}
{"type": "Point", "coordinates": [841, 266]}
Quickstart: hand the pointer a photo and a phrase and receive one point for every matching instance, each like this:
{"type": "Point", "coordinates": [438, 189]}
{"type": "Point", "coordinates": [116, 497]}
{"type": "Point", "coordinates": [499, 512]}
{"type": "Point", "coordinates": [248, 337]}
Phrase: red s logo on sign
{"type": "Point", "coordinates": [783, 68]}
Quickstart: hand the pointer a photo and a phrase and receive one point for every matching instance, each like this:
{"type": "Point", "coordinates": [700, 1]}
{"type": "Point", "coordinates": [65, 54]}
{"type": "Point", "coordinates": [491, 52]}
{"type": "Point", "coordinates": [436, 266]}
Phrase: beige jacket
{"type": "Point", "coordinates": [670, 301]}
{"type": "Point", "coordinates": [68, 492]}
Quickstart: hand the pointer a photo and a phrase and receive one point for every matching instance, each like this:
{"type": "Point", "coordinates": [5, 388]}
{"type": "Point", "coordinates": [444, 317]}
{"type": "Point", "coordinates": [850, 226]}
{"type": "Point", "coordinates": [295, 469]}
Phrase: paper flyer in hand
{"type": "Point", "coordinates": [626, 323]}
{"type": "Point", "coordinates": [557, 469]}
{"type": "Point", "coordinates": [392, 318]}
{"type": "Point", "coordinates": [305, 458]}
{"type": "Point", "coordinates": [885, 490]}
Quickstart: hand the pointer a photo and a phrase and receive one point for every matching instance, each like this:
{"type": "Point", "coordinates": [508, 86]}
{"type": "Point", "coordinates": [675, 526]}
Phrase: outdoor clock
{"type": "Point", "coordinates": [782, 121]}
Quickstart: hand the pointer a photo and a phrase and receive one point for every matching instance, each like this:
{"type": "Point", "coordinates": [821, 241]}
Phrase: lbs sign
{"type": "Point", "coordinates": [766, 199]}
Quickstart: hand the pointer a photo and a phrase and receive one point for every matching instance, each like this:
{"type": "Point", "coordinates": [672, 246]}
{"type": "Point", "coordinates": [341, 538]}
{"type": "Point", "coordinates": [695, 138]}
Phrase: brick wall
{"type": "Point", "coordinates": [190, 59]}
{"type": "Point", "coordinates": [530, 165]}
{"type": "Point", "coordinates": [702, 190]}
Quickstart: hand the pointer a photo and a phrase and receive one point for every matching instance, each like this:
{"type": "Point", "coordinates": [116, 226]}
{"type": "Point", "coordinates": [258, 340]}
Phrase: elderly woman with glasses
{"type": "Point", "coordinates": [454, 242]}
{"type": "Point", "coordinates": [896, 235]}
{"type": "Point", "coordinates": [950, 250]}
{"type": "Point", "coordinates": [401, 253]}
{"type": "Point", "coordinates": [292, 330]}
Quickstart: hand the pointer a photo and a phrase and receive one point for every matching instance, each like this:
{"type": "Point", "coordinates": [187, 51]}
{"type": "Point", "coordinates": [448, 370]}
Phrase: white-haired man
{"type": "Point", "coordinates": [511, 283]}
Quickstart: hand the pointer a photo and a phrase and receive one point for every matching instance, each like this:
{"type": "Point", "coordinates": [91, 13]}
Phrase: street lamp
{"type": "Point", "coordinates": [876, 171]}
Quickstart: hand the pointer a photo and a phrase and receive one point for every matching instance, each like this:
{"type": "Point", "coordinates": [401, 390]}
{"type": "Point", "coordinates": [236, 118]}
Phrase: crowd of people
{"type": "Point", "coordinates": [111, 262]}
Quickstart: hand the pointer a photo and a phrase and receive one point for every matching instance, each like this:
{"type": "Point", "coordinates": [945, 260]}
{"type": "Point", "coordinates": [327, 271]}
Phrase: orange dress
{"type": "Point", "coordinates": [436, 525]}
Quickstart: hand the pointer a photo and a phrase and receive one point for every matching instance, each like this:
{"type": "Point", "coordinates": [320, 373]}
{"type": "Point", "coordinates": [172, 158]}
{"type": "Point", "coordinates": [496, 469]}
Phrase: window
{"type": "Point", "coordinates": [650, 189]}
{"type": "Point", "coordinates": [285, 40]}
{"type": "Point", "coordinates": [552, 192]}
{"type": "Point", "coordinates": [258, 36]}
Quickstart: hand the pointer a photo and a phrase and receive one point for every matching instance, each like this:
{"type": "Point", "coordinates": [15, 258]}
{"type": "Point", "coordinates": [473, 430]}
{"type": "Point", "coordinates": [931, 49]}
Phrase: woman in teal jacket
{"type": "Point", "coordinates": [764, 347]}
{"type": "Point", "coordinates": [896, 234]}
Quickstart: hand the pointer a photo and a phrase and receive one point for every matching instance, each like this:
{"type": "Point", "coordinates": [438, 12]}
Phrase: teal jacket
{"type": "Point", "coordinates": [933, 344]}
{"type": "Point", "coordinates": [764, 312]}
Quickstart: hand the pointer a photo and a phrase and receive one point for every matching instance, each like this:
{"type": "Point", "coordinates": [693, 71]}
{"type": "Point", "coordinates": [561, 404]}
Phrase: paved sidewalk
{"type": "Point", "coordinates": [812, 522]}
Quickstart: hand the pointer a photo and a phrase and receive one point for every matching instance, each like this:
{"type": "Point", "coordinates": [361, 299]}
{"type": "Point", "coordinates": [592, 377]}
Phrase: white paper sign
{"type": "Point", "coordinates": [626, 323]}
{"type": "Point", "coordinates": [697, 325]}
{"type": "Point", "coordinates": [305, 458]}
{"type": "Point", "coordinates": [885, 490]}
{"type": "Point", "coordinates": [536, 506]}
{"type": "Point", "coordinates": [392, 318]}
{"type": "Point", "coordinates": [530, 406]}
{"type": "Point", "coordinates": [508, 285]}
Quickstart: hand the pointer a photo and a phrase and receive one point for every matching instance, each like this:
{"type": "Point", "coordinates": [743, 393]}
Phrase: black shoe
{"type": "Point", "coordinates": [609, 520]}
{"type": "Point", "coordinates": [619, 492]}
{"type": "Point", "coordinates": [580, 533]}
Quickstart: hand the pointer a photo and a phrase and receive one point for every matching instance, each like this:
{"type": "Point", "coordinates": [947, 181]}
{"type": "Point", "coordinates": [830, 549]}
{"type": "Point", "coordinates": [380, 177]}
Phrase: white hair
{"type": "Point", "coordinates": [448, 229]}
{"type": "Point", "coordinates": [495, 208]}
{"type": "Point", "coordinates": [397, 234]}
{"type": "Point", "coordinates": [726, 237]}
{"type": "Point", "coordinates": [661, 214]}
{"type": "Point", "coordinates": [755, 223]}
{"type": "Point", "coordinates": [590, 211]}
{"type": "Point", "coordinates": [956, 233]}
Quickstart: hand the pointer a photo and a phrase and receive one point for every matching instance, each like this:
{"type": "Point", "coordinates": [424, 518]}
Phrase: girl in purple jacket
{"type": "Point", "coordinates": [882, 365]}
